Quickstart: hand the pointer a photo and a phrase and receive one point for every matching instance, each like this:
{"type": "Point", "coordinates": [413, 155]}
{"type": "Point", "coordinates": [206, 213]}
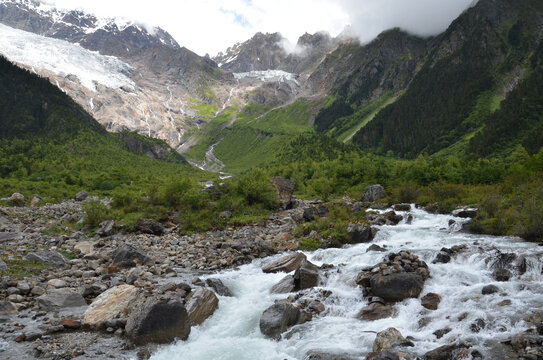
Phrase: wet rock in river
{"type": "Point", "coordinates": [430, 301]}
{"type": "Point", "coordinates": [375, 311]}
{"type": "Point", "coordinates": [201, 304]}
{"type": "Point", "coordinates": [386, 339]}
{"type": "Point", "coordinates": [501, 274]}
{"type": "Point", "coordinates": [397, 286]}
{"type": "Point", "coordinates": [280, 317]}
{"type": "Point", "coordinates": [219, 287]}
{"type": "Point", "coordinates": [489, 289]}
{"type": "Point", "coordinates": [286, 264]}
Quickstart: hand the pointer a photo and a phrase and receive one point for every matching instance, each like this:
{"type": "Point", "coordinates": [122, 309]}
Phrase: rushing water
{"type": "Point", "coordinates": [233, 331]}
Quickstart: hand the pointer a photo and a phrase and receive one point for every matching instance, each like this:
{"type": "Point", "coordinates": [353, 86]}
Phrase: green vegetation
{"type": "Point", "coordinates": [19, 269]}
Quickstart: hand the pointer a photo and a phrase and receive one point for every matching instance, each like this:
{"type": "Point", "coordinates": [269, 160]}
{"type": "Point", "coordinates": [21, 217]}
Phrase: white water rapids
{"type": "Point", "coordinates": [233, 333]}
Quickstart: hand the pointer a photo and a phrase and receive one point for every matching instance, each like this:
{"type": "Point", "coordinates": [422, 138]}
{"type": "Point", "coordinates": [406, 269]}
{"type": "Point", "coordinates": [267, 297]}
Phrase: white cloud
{"type": "Point", "coordinates": [210, 26]}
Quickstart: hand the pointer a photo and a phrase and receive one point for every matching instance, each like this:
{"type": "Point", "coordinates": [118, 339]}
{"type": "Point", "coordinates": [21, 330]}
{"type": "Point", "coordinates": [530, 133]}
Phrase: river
{"type": "Point", "coordinates": [232, 333]}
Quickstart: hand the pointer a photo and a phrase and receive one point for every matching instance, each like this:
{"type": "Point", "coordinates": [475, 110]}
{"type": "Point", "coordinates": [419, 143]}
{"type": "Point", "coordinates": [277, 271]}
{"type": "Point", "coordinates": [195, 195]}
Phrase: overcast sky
{"type": "Point", "coordinates": [210, 26]}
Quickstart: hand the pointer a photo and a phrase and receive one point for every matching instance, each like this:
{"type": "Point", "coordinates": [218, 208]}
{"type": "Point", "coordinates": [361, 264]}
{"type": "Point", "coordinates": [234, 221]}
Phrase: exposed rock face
{"type": "Point", "coordinates": [279, 317]}
{"type": "Point", "coordinates": [127, 256]}
{"type": "Point", "coordinates": [285, 189]}
{"type": "Point", "coordinates": [47, 257]}
{"type": "Point", "coordinates": [386, 339]}
{"type": "Point", "coordinates": [284, 286]}
{"type": "Point", "coordinates": [158, 321]}
{"type": "Point", "coordinates": [58, 299]}
{"type": "Point", "coordinates": [286, 264]}
{"type": "Point", "coordinates": [396, 287]}
{"type": "Point", "coordinates": [112, 304]}
{"type": "Point", "coordinates": [201, 304]}
{"type": "Point", "coordinates": [373, 193]}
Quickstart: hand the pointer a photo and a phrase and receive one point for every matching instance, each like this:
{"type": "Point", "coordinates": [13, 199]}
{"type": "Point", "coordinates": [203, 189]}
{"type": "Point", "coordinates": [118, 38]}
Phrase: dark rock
{"type": "Point", "coordinates": [477, 325]}
{"type": "Point", "coordinates": [219, 287]}
{"type": "Point", "coordinates": [71, 323]}
{"type": "Point", "coordinates": [409, 219]}
{"type": "Point", "coordinates": [392, 218]}
{"type": "Point", "coordinates": [430, 301]}
{"type": "Point", "coordinates": [306, 277]}
{"type": "Point", "coordinates": [284, 286]}
{"type": "Point", "coordinates": [384, 355]}
{"type": "Point", "coordinates": [442, 332]}
{"type": "Point", "coordinates": [374, 247]}
{"type": "Point", "coordinates": [52, 258]}
{"type": "Point", "coordinates": [158, 321]}
{"type": "Point", "coordinates": [285, 189]}
{"type": "Point", "coordinates": [8, 236]}
{"type": "Point", "coordinates": [201, 304]}
{"type": "Point", "coordinates": [490, 289]}
{"type": "Point", "coordinates": [280, 317]}
{"type": "Point", "coordinates": [397, 286]}
{"type": "Point", "coordinates": [58, 299]}
{"type": "Point", "coordinates": [441, 353]}
{"type": "Point", "coordinates": [363, 278]}
{"type": "Point", "coordinates": [375, 311]}
{"type": "Point", "coordinates": [501, 274]}
{"type": "Point", "coordinates": [317, 355]}
{"type": "Point", "coordinates": [127, 256]}
{"type": "Point", "coordinates": [286, 264]}
{"type": "Point", "coordinates": [310, 213]}
{"type": "Point", "coordinates": [373, 193]}
{"type": "Point", "coordinates": [150, 227]}
{"type": "Point", "coordinates": [402, 207]}
{"type": "Point", "coordinates": [386, 339]}
{"type": "Point", "coordinates": [465, 212]}
{"type": "Point", "coordinates": [105, 228]}
{"type": "Point", "coordinates": [359, 233]}
{"type": "Point", "coordinates": [81, 196]}
{"type": "Point", "coordinates": [441, 258]}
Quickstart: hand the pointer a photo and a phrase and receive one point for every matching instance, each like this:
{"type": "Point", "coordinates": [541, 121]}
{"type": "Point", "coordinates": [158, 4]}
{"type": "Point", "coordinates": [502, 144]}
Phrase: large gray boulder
{"type": "Point", "coordinates": [386, 339]}
{"type": "Point", "coordinates": [52, 258]}
{"type": "Point", "coordinates": [359, 233]}
{"type": "Point", "coordinates": [81, 196]}
{"type": "Point", "coordinates": [105, 228]}
{"type": "Point", "coordinates": [201, 304]}
{"type": "Point", "coordinates": [373, 193]}
{"type": "Point", "coordinates": [127, 256]}
{"type": "Point", "coordinates": [150, 227]}
{"type": "Point", "coordinates": [284, 286]}
{"type": "Point", "coordinates": [58, 299]}
{"type": "Point", "coordinates": [17, 199]}
{"type": "Point", "coordinates": [7, 308]}
{"type": "Point", "coordinates": [396, 286]}
{"type": "Point", "coordinates": [280, 317]}
{"type": "Point", "coordinates": [111, 304]}
{"type": "Point", "coordinates": [286, 264]}
{"type": "Point", "coordinates": [158, 321]}
{"type": "Point", "coordinates": [219, 287]}
{"type": "Point", "coordinates": [306, 276]}
{"type": "Point", "coordinates": [285, 189]}
{"type": "Point", "coordinates": [9, 236]}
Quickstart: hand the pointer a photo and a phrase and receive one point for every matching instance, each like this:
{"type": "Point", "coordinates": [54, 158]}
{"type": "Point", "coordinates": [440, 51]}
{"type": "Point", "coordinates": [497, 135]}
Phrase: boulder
{"type": "Point", "coordinates": [35, 200]}
{"type": "Point", "coordinates": [285, 189]}
{"type": "Point", "coordinates": [58, 299]}
{"type": "Point", "coordinates": [386, 339]}
{"type": "Point", "coordinates": [441, 258]}
{"type": "Point", "coordinates": [8, 236]}
{"type": "Point", "coordinates": [105, 228]}
{"type": "Point", "coordinates": [306, 277]}
{"type": "Point", "coordinates": [287, 263]}
{"type": "Point", "coordinates": [280, 317]}
{"type": "Point", "coordinates": [373, 193]}
{"type": "Point", "coordinates": [402, 207]}
{"type": "Point", "coordinates": [396, 286]}
{"type": "Point", "coordinates": [158, 321]}
{"type": "Point", "coordinates": [317, 355]}
{"type": "Point", "coordinates": [430, 301]}
{"type": "Point", "coordinates": [114, 303]}
{"type": "Point", "coordinates": [84, 247]}
{"type": "Point", "coordinates": [225, 215]}
{"type": "Point", "coordinates": [359, 233]}
{"type": "Point", "coordinates": [81, 196]}
{"type": "Point", "coordinates": [392, 218]}
{"type": "Point", "coordinates": [444, 352]}
{"type": "Point", "coordinates": [465, 212]}
{"type": "Point", "coordinates": [363, 278]}
{"type": "Point", "coordinates": [374, 247]}
{"type": "Point", "coordinates": [3, 266]}
{"type": "Point", "coordinates": [385, 355]}
{"type": "Point", "coordinates": [219, 287]}
{"type": "Point", "coordinates": [201, 304]}
{"type": "Point", "coordinates": [52, 258]}
{"type": "Point", "coordinates": [501, 274]}
{"type": "Point", "coordinates": [284, 286]}
{"type": "Point", "coordinates": [17, 199]}
{"type": "Point", "coordinates": [150, 227]}
{"type": "Point", "coordinates": [489, 289]}
{"type": "Point", "coordinates": [375, 311]}
{"type": "Point", "coordinates": [7, 308]}
{"type": "Point", "coordinates": [127, 256]}
{"type": "Point", "coordinates": [310, 213]}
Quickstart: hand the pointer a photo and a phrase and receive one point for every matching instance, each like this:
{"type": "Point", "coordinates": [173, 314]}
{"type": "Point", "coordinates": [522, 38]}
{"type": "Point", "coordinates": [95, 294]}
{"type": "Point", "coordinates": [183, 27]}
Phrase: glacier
{"type": "Point", "coordinates": [64, 58]}
{"type": "Point", "coordinates": [267, 75]}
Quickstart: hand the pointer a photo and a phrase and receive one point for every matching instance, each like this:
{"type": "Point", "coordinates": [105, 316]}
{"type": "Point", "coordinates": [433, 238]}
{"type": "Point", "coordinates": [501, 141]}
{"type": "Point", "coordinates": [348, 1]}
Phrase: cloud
{"type": "Point", "coordinates": [420, 17]}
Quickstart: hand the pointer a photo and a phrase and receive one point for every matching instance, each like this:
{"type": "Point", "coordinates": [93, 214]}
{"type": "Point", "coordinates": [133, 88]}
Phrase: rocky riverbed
{"type": "Point", "coordinates": [115, 295]}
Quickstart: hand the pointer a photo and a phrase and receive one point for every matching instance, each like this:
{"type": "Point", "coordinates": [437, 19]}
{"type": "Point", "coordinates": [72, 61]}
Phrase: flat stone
{"type": "Point", "coordinates": [114, 303]}
{"type": "Point", "coordinates": [52, 258]}
{"type": "Point", "coordinates": [9, 236]}
{"type": "Point", "coordinates": [201, 304]}
{"type": "Point", "coordinates": [286, 264]}
{"type": "Point", "coordinates": [58, 299]}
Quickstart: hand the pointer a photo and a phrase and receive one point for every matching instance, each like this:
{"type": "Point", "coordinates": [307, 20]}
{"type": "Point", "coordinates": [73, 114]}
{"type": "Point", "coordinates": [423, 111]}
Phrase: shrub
{"type": "Point", "coordinates": [308, 244]}
{"type": "Point", "coordinates": [96, 213]}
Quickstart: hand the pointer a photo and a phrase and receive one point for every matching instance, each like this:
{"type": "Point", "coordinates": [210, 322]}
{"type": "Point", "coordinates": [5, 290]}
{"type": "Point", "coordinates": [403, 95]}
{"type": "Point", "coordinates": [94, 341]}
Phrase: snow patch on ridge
{"type": "Point", "coordinates": [63, 58]}
{"type": "Point", "coordinates": [267, 75]}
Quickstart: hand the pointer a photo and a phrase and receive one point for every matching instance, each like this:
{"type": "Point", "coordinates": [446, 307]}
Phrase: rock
{"type": "Point", "coordinates": [52, 258]}
{"type": "Point", "coordinates": [359, 233]}
{"type": "Point", "coordinates": [8, 236]}
{"type": "Point", "coordinates": [477, 325]}
{"type": "Point", "coordinates": [58, 299]}
{"type": "Point", "coordinates": [35, 200]}
{"type": "Point", "coordinates": [134, 275]}
{"type": "Point", "coordinates": [127, 256]}
{"type": "Point", "coordinates": [505, 302]}
{"type": "Point", "coordinates": [56, 283]}
{"type": "Point", "coordinates": [225, 215]}
{"type": "Point", "coordinates": [284, 286]}
{"type": "Point", "coordinates": [386, 339]}
{"type": "Point", "coordinates": [392, 218]}
{"type": "Point", "coordinates": [219, 287]}
{"type": "Point", "coordinates": [285, 189]}
{"type": "Point", "coordinates": [105, 228]}
{"type": "Point", "coordinates": [316, 306]}
{"type": "Point", "coordinates": [158, 321]}
{"type": "Point", "coordinates": [309, 214]}
{"type": "Point", "coordinates": [442, 332]}
{"type": "Point", "coordinates": [374, 247]}
{"type": "Point", "coordinates": [489, 289]}
{"type": "Point", "coordinates": [384, 355]}
{"type": "Point", "coordinates": [201, 304]}
{"type": "Point", "coordinates": [280, 317]}
{"type": "Point", "coordinates": [441, 258]}
{"type": "Point", "coordinates": [114, 303]}
{"type": "Point", "coordinates": [402, 207]}
{"type": "Point", "coordinates": [396, 286]}
{"type": "Point", "coordinates": [3, 266]}
{"type": "Point", "coordinates": [84, 247]}
{"type": "Point", "coordinates": [7, 308]}
{"type": "Point", "coordinates": [373, 193]}
{"type": "Point", "coordinates": [501, 274]}
{"type": "Point", "coordinates": [317, 355]}
{"type": "Point", "coordinates": [24, 287]}
{"type": "Point", "coordinates": [465, 212]}
{"type": "Point", "coordinates": [375, 311]}
{"type": "Point", "coordinates": [71, 323]}
{"type": "Point", "coordinates": [363, 278]}
{"type": "Point", "coordinates": [150, 227]}
{"type": "Point", "coordinates": [37, 290]}
{"type": "Point", "coordinates": [441, 353]}
{"type": "Point", "coordinates": [305, 278]}
{"type": "Point", "coordinates": [286, 264]}
{"type": "Point", "coordinates": [430, 301]}
{"type": "Point", "coordinates": [17, 199]}
{"type": "Point", "coordinates": [81, 196]}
